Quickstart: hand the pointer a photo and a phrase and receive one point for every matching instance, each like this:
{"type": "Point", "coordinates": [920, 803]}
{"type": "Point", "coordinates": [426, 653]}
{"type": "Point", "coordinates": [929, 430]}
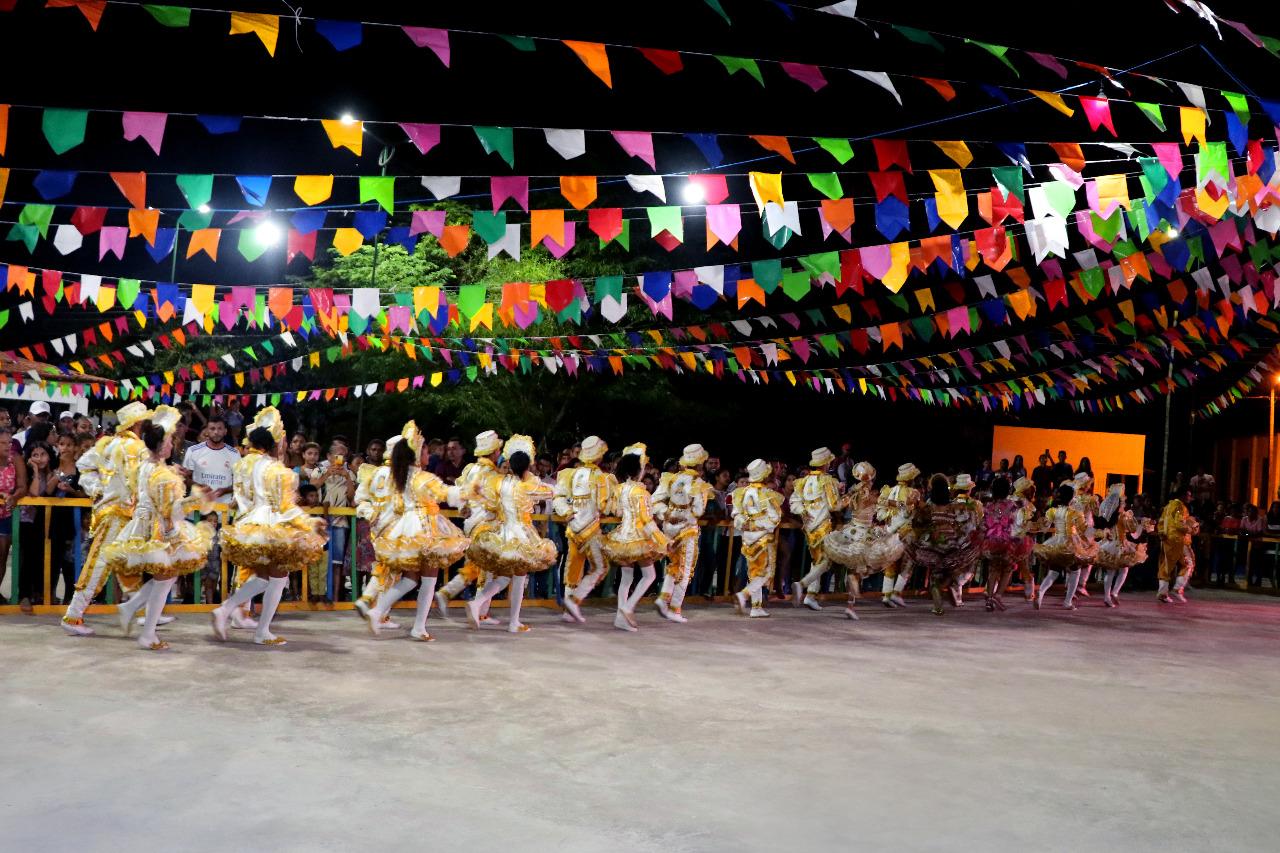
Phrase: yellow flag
{"type": "Point", "coordinates": [313, 189]}
{"type": "Point", "coordinates": [1054, 100]}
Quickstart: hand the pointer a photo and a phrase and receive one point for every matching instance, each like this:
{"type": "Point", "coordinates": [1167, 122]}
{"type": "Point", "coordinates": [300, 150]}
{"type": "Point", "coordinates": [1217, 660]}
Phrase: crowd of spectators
{"type": "Point", "coordinates": [38, 453]}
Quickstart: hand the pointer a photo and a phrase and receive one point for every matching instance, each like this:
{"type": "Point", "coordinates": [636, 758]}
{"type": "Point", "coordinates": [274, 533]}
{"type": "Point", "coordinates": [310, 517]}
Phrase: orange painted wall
{"type": "Point", "coordinates": [1109, 452]}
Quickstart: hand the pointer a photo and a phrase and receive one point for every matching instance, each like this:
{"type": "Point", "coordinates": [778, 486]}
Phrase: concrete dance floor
{"type": "Point", "coordinates": [1147, 728]}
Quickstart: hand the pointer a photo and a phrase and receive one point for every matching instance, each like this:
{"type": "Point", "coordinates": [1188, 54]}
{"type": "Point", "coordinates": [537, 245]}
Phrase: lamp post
{"type": "Point", "coordinates": [1271, 445]}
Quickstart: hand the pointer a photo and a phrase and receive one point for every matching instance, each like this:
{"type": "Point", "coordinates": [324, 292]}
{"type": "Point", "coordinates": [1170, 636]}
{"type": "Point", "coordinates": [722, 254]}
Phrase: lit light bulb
{"type": "Point", "coordinates": [348, 119]}
{"type": "Point", "coordinates": [1172, 232]}
{"type": "Point", "coordinates": [267, 233]}
{"type": "Point", "coordinates": [204, 208]}
{"type": "Point", "coordinates": [693, 194]}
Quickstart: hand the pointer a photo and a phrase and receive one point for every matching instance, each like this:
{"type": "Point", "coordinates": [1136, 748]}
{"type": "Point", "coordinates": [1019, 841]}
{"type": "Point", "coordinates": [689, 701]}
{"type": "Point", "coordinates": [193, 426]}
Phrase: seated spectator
{"type": "Point", "coordinates": [1273, 517]}
{"type": "Point", "coordinates": [984, 475]}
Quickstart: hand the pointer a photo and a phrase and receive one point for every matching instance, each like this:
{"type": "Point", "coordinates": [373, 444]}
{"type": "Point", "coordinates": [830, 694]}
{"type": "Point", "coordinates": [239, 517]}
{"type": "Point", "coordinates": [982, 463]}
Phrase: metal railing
{"type": "Point", "coordinates": [720, 585]}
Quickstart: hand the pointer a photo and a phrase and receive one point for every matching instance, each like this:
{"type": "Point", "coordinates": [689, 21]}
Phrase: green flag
{"type": "Point", "coordinates": [734, 64]}
{"type": "Point", "coordinates": [498, 140]}
{"type": "Point", "coordinates": [64, 129]}
{"type": "Point", "coordinates": [381, 189]}
{"type": "Point", "coordinates": [827, 183]}
{"type": "Point", "coordinates": [837, 147]}
{"type": "Point", "coordinates": [196, 189]}
{"type": "Point", "coordinates": [170, 16]}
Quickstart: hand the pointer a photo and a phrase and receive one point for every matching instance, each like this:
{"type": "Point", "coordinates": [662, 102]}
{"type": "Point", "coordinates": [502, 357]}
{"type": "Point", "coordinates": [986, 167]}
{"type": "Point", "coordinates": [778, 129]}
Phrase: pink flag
{"type": "Point", "coordinates": [515, 187]}
{"type": "Point", "coordinates": [637, 143]}
{"type": "Point", "coordinates": [437, 40]}
{"type": "Point", "coordinates": [810, 75]}
{"type": "Point", "coordinates": [424, 136]}
{"type": "Point", "coordinates": [150, 126]}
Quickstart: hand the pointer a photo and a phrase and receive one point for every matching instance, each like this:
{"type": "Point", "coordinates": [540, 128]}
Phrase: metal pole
{"type": "Point", "coordinates": [1271, 448]}
{"type": "Point", "coordinates": [1168, 413]}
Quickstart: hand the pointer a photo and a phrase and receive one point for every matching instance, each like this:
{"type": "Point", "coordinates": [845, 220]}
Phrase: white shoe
{"type": "Point", "coordinates": [473, 615]}
{"type": "Point", "coordinates": [164, 619]}
{"type": "Point", "coordinates": [491, 621]}
{"type": "Point", "coordinates": [740, 602]}
{"type": "Point", "coordinates": [567, 618]}
{"type": "Point", "coordinates": [270, 640]}
{"type": "Point", "coordinates": [663, 607]}
{"type": "Point", "coordinates": [1107, 602]}
{"type": "Point", "coordinates": [955, 596]}
{"type": "Point", "coordinates": [759, 613]}
{"type": "Point", "coordinates": [218, 617]}
{"type": "Point", "coordinates": [442, 604]}
{"type": "Point", "coordinates": [76, 629]}
{"type": "Point", "coordinates": [152, 645]}
{"type": "Point", "coordinates": [1164, 598]}
{"type": "Point", "coordinates": [424, 637]}
{"type": "Point", "coordinates": [676, 616]}
{"type": "Point", "coordinates": [362, 607]}
{"type": "Point", "coordinates": [849, 614]}
{"type": "Point", "coordinates": [812, 603]}
{"type": "Point", "coordinates": [620, 622]}
{"type": "Point", "coordinates": [374, 622]}
{"type": "Point", "coordinates": [1178, 597]}
{"type": "Point", "coordinates": [518, 628]}
{"type": "Point", "coordinates": [572, 610]}
{"type": "Point", "coordinates": [241, 622]}
{"type": "Point", "coordinates": [389, 623]}
{"type": "Point", "coordinates": [897, 600]}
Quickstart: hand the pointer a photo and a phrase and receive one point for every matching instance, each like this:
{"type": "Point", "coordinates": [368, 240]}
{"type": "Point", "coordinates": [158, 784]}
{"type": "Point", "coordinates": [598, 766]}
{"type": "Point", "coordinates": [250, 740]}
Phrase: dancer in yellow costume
{"type": "Point", "coordinates": [372, 494]}
{"type": "Point", "coordinates": [1068, 549]}
{"type": "Point", "coordinates": [1086, 503]}
{"type": "Point", "coordinates": [158, 540]}
{"type": "Point", "coordinates": [637, 540]}
{"type": "Point", "coordinates": [679, 502]}
{"type": "Point", "coordinates": [109, 475]}
{"type": "Point", "coordinates": [271, 535]}
{"type": "Point", "coordinates": [893, 511]}
{"type": "Point", "coordinates": [815, 497]}
{"type": "Point", "coordinates": [583, 496]}
{"type": "Point", "coordinates": [1177, 560]}
{"type": "Point", "coordinates": [757, 511]}
{"type": "Point", "coordinates": [854, 545]}
{"type": "Point", "coordinates": [412, 539]}
{"type": "Point", "coordinates": [510, 548]}
{"type": "Point", "coordinates": [1122, 547]}
{"type": "Point", "coordinates": [479, 517]}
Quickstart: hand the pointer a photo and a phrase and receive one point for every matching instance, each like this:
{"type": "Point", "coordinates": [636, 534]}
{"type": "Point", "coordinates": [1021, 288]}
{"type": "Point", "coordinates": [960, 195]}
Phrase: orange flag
{"type": "Point", "coordinates": [594, 57]}
{"type": "Point", "coordinates": [91, 9]}
{"type": "Point", "coordinates": [4, 182]}
{"type": "Point", "coordinates": [4, 126]}
{"type": "Point", "coordinates": [546, 223]}
{"type": "Point", "coordinates": [133, 186]}
{"type": "Point", "coordinates": [454, 239]}
{"type": "Point", "coordinates": [839, 213]}
{"type": "Point", "coordinates": [578, 190]}
{"type": "Point", "coordinates": [206, 240]}
{"type": "Point", "coordinates": [143, 221]}
{"type": "Point", "coordinates": [748, 290]}
{"type": "Point", "coordinates": [942, 87]}
{"type": "Point", "coordinates": [280, 301]}
{"type": "Point", "coordinates": [777, 144]}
